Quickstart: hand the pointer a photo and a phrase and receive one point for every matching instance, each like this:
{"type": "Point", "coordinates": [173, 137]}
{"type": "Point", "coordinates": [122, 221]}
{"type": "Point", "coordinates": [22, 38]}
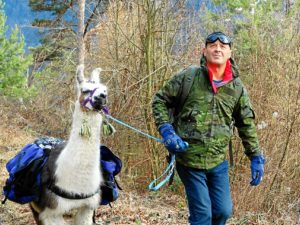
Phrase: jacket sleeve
{"type": "Point", "coordinates": [165, 99]}
{"type": "Point", "coordinates": [244, 121]}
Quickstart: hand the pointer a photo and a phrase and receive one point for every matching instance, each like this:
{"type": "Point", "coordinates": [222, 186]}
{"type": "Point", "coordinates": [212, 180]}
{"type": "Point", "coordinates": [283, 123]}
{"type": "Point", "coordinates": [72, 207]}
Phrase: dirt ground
{"type": "Point", "coordinates": [130, 208]}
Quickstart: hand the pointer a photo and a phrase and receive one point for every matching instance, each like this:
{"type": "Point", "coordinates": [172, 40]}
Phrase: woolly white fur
{"type": "Point", "coordinates": [78, 165]}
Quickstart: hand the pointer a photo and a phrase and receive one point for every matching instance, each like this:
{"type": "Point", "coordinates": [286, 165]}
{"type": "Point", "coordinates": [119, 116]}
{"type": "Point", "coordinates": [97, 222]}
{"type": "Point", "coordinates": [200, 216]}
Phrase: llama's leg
{"type": "Point", "coordinates": [84, 216]}
{"type": "Point", "coordinates": [35, 215]}
{"type": "Point", "coordinates": [53, 221]}
{"type": "Point", "coordinates": [48, 217]}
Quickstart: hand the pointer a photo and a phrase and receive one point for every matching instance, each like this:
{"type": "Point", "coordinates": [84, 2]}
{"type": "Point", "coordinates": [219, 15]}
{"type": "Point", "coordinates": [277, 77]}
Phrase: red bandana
{"type": "Point", "coordinates": [226, 78]}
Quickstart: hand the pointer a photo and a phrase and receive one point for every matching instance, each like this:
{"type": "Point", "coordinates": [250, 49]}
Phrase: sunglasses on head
{"type": "Point", "coordinates": [218, 36]}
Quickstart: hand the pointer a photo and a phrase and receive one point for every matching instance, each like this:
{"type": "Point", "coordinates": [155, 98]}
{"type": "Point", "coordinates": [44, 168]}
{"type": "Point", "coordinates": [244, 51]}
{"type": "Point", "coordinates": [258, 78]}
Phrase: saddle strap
{"type": "Point", "coordinates": [74, 196]}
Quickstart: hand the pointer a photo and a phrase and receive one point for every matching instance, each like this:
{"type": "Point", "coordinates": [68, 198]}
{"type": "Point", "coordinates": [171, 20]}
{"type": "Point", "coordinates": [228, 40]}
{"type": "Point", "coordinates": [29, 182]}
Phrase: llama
{"type": "Point", "coordinates": [72, 177]}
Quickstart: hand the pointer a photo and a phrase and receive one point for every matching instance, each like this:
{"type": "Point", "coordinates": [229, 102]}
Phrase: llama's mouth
{"type": "Point", "coordinates": [99, 102]}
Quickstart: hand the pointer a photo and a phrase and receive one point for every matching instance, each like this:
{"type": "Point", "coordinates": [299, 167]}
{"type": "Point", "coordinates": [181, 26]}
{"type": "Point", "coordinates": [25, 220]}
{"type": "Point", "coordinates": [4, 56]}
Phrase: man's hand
{"type": "Point", "coordinates": [257, 169]}
{"type": "Point", "coordinates": [171, 140]}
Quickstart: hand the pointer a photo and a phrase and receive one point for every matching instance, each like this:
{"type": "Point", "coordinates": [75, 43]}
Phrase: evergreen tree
{"type": "Point", "coordinates": [13, 61]}
{"type": "Point", "coordinates": [60, 27]}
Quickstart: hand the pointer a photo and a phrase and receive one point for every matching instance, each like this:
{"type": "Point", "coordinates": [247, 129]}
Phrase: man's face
{"type": "Point", "coordinates": [217, 53]}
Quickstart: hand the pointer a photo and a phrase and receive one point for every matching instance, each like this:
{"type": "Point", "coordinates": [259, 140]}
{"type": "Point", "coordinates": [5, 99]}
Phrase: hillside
{"type": "Point", "coordinates": [134, 206]}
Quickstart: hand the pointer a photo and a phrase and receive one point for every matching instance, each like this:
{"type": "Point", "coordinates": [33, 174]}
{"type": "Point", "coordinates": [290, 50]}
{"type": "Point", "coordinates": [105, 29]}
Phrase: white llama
{"type": "Point", "coordinates": [72, 175]}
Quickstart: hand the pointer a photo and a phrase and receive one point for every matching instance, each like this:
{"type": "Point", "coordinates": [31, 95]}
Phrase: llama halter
{"type": "Point", "coordinates": [88, 103]}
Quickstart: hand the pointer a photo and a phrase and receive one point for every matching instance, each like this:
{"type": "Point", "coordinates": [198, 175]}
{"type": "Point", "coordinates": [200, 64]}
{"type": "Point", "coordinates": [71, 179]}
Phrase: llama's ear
{"type": "Point", "coordinates": [79, 73]}
{"type": "Point", "coordinates": [95, 75]}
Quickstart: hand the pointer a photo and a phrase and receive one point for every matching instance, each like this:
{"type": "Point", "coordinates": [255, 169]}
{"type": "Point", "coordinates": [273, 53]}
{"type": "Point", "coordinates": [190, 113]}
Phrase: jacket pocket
{"type": "Point", "coordinates": [191, 125]}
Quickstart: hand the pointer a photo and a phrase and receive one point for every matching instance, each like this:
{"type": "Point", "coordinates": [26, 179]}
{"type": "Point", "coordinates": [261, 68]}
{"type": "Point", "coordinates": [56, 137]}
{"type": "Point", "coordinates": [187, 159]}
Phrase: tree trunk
{"type": "Point", "coordinates": [81, 45]}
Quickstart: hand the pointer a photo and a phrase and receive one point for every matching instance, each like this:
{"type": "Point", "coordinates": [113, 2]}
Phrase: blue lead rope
{"type": "Point", "coordinates": [169, 170]}
{"type": "Point", "coordinates": [133, 128]}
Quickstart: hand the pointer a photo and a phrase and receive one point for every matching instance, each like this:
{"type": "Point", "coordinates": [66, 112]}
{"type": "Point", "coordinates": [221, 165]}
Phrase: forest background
{"type": "Point", "coordinates": [140, 44]}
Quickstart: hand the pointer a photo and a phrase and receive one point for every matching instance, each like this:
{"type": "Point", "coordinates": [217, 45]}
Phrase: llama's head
{"type": "Point", "coordinates": [91, 93]}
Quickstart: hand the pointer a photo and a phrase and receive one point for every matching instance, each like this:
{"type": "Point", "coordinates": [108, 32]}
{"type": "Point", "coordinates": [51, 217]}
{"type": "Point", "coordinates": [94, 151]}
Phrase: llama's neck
{"type": "Point", "coordinates": [80, 159]}
{"type": "Point", "coordinates": [90, 119]}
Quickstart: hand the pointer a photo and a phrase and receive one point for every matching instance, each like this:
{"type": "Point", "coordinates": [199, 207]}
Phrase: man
{"type": "Point", "coordinates": [217, 100]}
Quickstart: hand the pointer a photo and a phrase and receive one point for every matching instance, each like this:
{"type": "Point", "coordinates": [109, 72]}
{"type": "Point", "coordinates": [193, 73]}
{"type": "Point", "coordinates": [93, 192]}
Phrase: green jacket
{"type": "Point", "coordinates": [206, 119]}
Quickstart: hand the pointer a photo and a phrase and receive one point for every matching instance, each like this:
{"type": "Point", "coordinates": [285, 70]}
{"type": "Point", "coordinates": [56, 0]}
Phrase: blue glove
{"type": "Point", "coordinates": [257, 169]}
{"type": "Point", "coordinates": [171, 140]}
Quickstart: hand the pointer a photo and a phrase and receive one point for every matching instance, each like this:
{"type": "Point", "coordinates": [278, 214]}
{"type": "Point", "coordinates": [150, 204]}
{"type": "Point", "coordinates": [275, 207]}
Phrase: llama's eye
{"type": "Point", "coordinates": [85, 91]}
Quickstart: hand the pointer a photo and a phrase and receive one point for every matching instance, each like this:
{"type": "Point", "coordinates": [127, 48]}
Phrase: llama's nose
{"type": "Point", "coordinates": [99, 101]}
{"type": "Point", "coordinates": [103, 95]}
{"type": "Point", "coordinates": [100, 97]}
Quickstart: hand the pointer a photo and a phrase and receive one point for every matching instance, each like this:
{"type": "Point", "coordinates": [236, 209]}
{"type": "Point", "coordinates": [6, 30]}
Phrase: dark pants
{"type": "Point", "coordinates": [208, 194]}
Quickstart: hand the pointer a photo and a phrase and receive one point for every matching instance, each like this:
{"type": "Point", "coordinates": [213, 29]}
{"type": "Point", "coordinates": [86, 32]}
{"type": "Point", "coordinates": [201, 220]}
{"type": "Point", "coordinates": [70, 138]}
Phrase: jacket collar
{"type": "Point", "coordinates": [234, 67]}
{"type": "Point", "coordinates": [231, 72]}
